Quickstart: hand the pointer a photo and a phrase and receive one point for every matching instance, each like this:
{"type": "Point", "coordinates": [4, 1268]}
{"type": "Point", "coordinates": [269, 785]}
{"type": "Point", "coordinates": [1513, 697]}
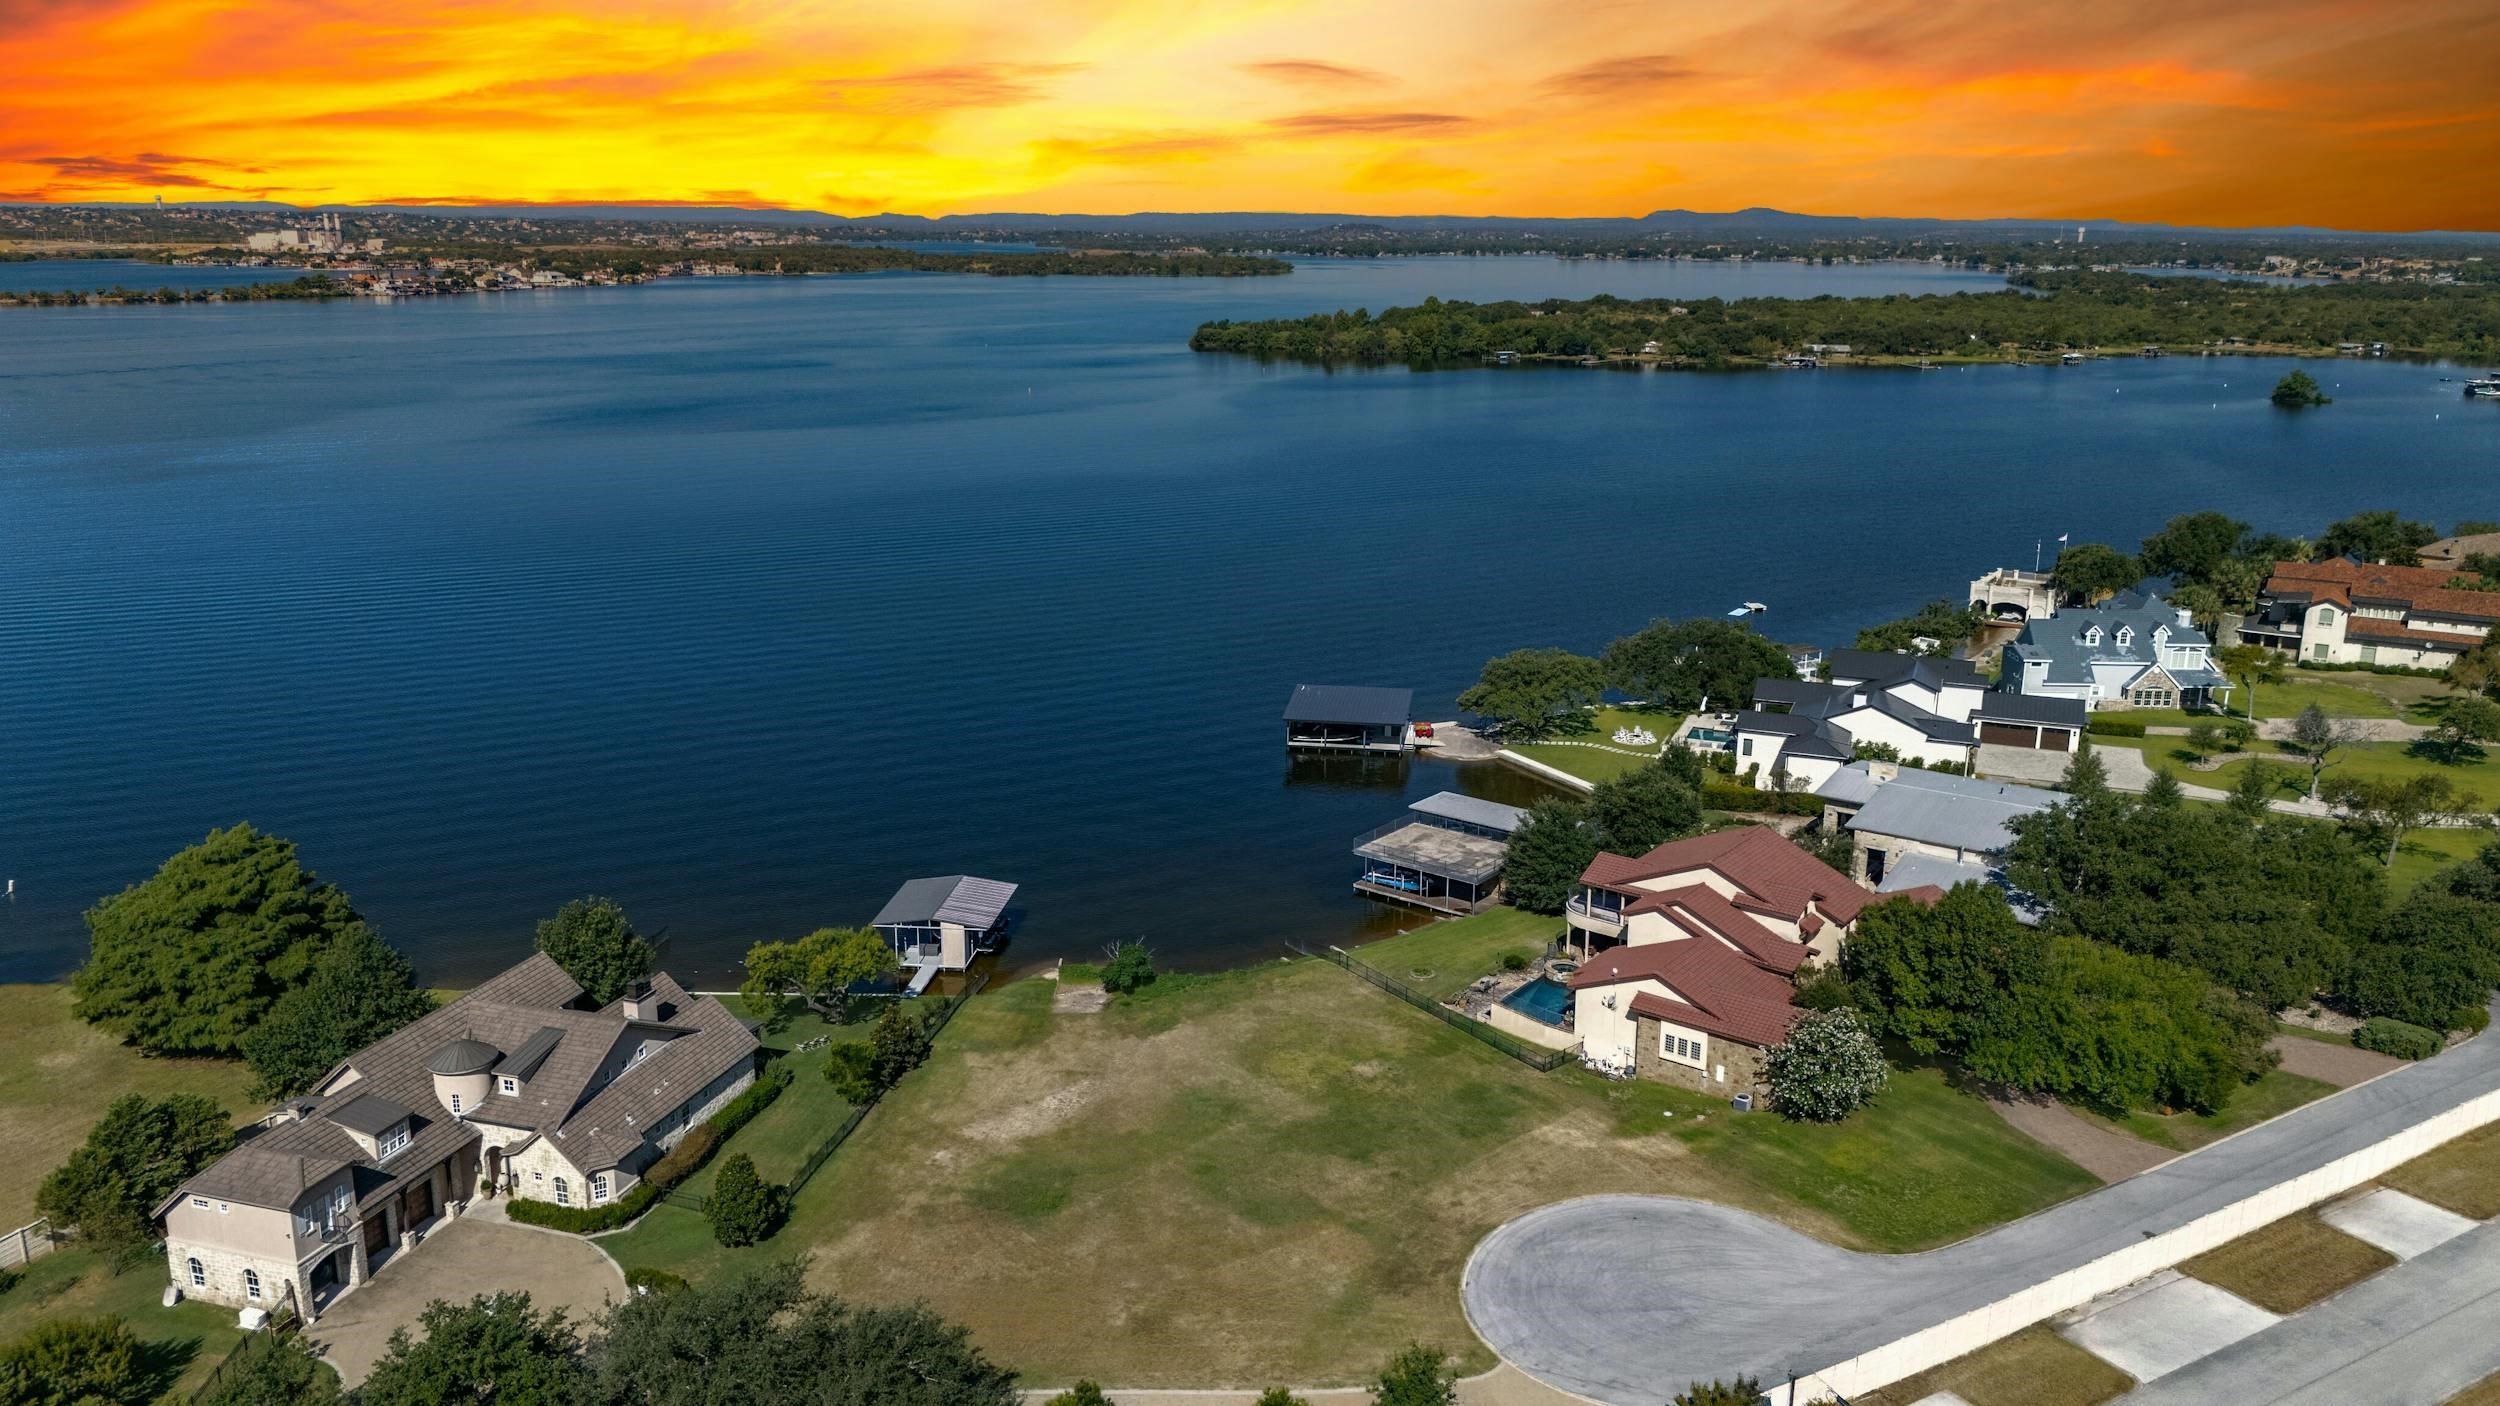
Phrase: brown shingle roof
{"type": "Point", "coordinates": [2418, 587]}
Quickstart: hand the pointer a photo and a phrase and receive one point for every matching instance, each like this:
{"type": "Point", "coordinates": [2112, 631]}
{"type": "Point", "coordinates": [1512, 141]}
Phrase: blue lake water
{"type": "Point", "coordinates": [83, 275]}
{"type": "Point", "coordinates": [744, 600]}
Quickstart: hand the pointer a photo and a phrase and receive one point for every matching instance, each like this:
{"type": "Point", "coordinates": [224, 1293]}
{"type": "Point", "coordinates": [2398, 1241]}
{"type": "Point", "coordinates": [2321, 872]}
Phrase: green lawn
{"type": "Point", "coordinates": [2275, 1094]}
{"type": "Point", "coordinates": [57, 1073]}
{"type": "Point", "coordinates": [1441, 958]}
{"type": "Point", "coordinates": [1599, 763]}
{"type": "Point", "coordinates": [2425, 852]}
{"type": "Point", "coordinates": [1268, 1175]}
{"type": "Point", "coordinates": [183, 1343]}
{"type": "Point", "coordinates": [2477, 776]}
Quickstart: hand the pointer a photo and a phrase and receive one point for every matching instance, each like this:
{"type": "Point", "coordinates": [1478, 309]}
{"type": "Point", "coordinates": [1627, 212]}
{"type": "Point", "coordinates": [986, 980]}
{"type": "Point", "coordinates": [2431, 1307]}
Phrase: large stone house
{"type": "Point", "coordinates": [2134, 650]}
{"type": "Point", "coordinates": [516, 1085]}
{"type": "Point", "coordinates": [2340, 612]}
{"type": "Point", "coordinates": [1689, 953]}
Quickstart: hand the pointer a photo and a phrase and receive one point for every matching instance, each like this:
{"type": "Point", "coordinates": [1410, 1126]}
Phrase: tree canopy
{"type": "Point", "coordinates": [1532, 693]}
{"type": "Point", "coordinates": [2088, 572]}
{"type": "Point", "coordinates": [359, 991]}
{"type": "Point", "coordinates": [2379, 536]}
{"type": "Point", "coordinates": [1548, 853]}
{"type": "Point", "coordinates": [590, 938]}
{"type": "Point", "coordinates": [1950, 626]}
{"type": "Point", "coordinates": [91, 1361]}
{"type": "Point", "coordinates": [1680, 663]}
{"type": "Point", "coordinates": [2298, 390]}
{"type": "Point", "coordinates": [136, 1155]}
{"type": "Point", "coordinates": [2192, 546]}
{"type": "Point", "coordinates": [817, 971]}
{"type": "Point", "coordinates": [188, 961]}
{"type": "Point", "coordinates": [495, 1349]}
{"type": "Point", "coordinates": [1644, 808]}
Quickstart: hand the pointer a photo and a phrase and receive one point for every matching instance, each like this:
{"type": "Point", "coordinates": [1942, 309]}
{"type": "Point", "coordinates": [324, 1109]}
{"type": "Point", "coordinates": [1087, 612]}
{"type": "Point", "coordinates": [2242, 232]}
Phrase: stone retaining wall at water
{"type": "Point", "coordinates": [1976, 1329]}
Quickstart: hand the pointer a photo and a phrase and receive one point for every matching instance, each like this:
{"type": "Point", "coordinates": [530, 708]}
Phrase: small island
{"type": "Point", "coordinates": [2298, 391]}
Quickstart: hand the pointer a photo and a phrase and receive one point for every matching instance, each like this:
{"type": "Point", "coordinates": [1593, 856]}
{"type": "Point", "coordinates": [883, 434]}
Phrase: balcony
{"type": "Point", "coordinates": [1593, 917]}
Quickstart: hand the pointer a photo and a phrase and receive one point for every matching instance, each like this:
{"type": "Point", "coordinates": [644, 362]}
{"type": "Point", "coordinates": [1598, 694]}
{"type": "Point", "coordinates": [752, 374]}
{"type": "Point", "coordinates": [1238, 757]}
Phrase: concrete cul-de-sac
{"type": "Point", "coordinates": [1624, 1299]}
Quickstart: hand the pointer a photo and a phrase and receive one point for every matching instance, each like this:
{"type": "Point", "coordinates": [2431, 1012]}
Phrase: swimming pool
{"type": "Point", "coordinates": [1544, 1000]}
{"type": "Point", "coordinates": [1714, 736]}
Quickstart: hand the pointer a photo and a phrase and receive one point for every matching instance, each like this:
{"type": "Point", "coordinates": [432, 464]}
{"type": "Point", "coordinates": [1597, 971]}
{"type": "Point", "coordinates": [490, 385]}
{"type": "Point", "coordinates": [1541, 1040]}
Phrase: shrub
{"type": "Point", "coordinates": [2403, 1039]}
{"type": "Point", "coordinates": [583, 1220]}
{"type": "Point", "coordinates": [1723, 796]}
{"type": "Point", "coordinates": [74, 1362]}
{"type": "Point", "coordinates": [851, 1068]}
{"type": "Point", "coordinates": [1744, 1391]}
{"type": "Point", "coordinates": [897, 1046]}
{"type": "Point", "coordinates": [1417, 1376]}
{"type": "Point", "coordinates": [1828, 1068]}
{"type": "Point", "coordinates": [1515, 961]}
{"type": "Point", "coordinates": [2471, 1019]}
{"type": "Point", "coordinates": [2113, 727]}
{"type": "Point", "coordinates": [743, 1207]}
{"type": "Point", "coordinates": [1131, 968]}
{"type": "Point", "coordinates": [1084, 1393]}
{"type": "Point", "coordinates": [654, 1281]}
{"type": "Point", "coordinates": [1279, 1396]}
{"type": "Point", "coordinates": [673, 1167]}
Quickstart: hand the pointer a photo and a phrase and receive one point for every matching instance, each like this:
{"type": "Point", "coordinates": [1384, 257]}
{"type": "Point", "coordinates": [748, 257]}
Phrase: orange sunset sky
{"type": "Point", "coordinates": [2373, 116]}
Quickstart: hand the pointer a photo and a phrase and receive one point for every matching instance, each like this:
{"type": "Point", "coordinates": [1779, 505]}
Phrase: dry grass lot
{"type": "Point", "coordinates": [2483, 1393]}
{"type": "Point", "coordinates": [57, 1073]}
{"type": "Point", "coordinates": [1277, 1174]}
{"type": "Point", "coordinates": [2035, 1367]}
{"type": "Point", "coordinates": [2290, 1264]}
{"type": "Point", "coordinates": [2463, 1176]}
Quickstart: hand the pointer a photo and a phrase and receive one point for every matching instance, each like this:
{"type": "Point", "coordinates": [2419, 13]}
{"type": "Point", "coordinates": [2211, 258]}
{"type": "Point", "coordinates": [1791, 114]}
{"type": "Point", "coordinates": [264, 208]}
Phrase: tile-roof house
{"type": "Point", "coordinates": [1799, 731]}
{"type": "Point", "coordinates": [2343, 612]}
{"type": "Point", "coordinates": [1689, 953]}
{"type": "Point", "coordinates": [514, 1083]}
{"type": "Point", "coordinates": [2134, 650]}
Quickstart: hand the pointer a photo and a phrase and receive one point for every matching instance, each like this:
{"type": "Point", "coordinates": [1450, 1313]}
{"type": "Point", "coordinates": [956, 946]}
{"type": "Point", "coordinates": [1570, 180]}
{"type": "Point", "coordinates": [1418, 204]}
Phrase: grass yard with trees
{"type": "Point", "coordinates": [1268, 1175]}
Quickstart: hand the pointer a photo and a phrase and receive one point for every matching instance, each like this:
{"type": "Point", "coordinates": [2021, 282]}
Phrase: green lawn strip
{"type": "Point", "coordinates": [2426, 852]}
{"type": "Point", "coordinates": [2277, 1093]}
{"type": "Point", "coordinates": [1263, 1175]}
{"type": "Point", "coordinates": [57, 1073]}
{"type": "Point", "coordinates": [2034, 1367]}
{"type": "Point", "coordinates": [2303, 1032]}
{"type": "Point", "coordinates": [1441, 959]}
{"type": "Point", "coordinates": [2463, 1176]}
{"type": "Point", "coordinates": [184, 1342]}
{"type": "Point", "coordinates": [1597, 763]}
{"type": "Point", "coordinates": [1924, 1166]}
{"type": "Point", "coordinates": [2369, 761]}
{"type": "Point", "coordinates": [2289, 1265]}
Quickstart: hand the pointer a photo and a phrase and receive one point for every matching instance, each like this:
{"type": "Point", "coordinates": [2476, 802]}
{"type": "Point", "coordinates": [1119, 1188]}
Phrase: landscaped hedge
{"type": "Point", "coordinates": [2403, 670]}
{"type": "Point", "coordinates": [1719, 796]}
{"type": "Point", "coordinates": [2404, 1040]}
{"type": "Point", "coordinates": [2474, 1020]}
{"type": "Point", "coordinates": [677, 1164]}
{"type": "Point", "coordinates": [2113, 727]}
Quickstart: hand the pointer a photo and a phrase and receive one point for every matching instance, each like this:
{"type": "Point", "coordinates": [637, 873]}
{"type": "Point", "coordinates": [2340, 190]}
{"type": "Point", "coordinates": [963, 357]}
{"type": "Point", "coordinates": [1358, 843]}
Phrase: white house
{"type": "Point", "coordinates": [2130, 651]}
{"type": "Point", "coordinates": [1798, 733]}
{"type": "Point", "coordinates": [2340, 612]}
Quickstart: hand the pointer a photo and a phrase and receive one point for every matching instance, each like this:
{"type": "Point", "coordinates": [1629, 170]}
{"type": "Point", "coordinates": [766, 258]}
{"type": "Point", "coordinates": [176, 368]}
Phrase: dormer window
{"type": "Point", "coordinates": [508, 1085]}
{"type": "Point", "coordinates": [2161, 634]}
{"type": "Point", "coordinates": [390, 1143]}
{"type": "Point", "coordinates": [2126, 636]}
{"type": "Point", "coordinates": [2092, 634]}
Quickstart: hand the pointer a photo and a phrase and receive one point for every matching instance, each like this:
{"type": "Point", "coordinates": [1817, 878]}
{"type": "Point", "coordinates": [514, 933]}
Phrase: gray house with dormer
{"type": "Point", "coordinates": [2134, 650]}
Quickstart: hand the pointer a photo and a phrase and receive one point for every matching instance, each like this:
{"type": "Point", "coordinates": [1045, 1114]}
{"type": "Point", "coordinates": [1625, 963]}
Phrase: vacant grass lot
{"type": "Point", "coordinates": [2463, 1176]}
{"type": "Point", "coordinates": [1440, 959]}
{"type": "Point", "coordinates": [2290, 1264]}
{"type": "Point", "coordinates": [183, 1343]}
{"type": "Point", "coordinates": [2275, 1094]}
{"type": "Point", "coordinates": [2478, 776]}
{"type": "Point", "coordinates": [1271, 1175]}
{"type": "Point", "coordinates": [57, 1073]}
{"type": "Point", "coordinates": [2034, 1367]}
{"type": "Point", "coordinates": [1597, 763]}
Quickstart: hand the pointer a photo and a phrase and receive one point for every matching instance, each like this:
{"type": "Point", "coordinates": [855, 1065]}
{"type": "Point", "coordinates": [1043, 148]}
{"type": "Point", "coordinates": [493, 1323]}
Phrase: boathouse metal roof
{"type": "Point", "coordinates": [1469, 810]}
{"type": "Point", "coordinates": [978, 904]}
{"type": "Point", "coordinates": [1350, 703]}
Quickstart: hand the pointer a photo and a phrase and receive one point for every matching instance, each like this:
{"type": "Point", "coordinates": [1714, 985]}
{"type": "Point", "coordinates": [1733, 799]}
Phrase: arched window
{"type": "Point", "coordinates": [251, 1283]}
{"type": "Point", "coordinates": [199, 1275]}
{"type": "Point", "coordinates": [564, 1194]}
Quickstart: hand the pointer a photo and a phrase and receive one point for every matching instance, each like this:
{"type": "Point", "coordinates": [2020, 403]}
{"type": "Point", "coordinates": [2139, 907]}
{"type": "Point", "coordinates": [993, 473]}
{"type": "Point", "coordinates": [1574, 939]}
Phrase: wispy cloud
{"type": "Point", "coordinates": [1619, 77]}
{"type": "Point", "coordinates": [1353, 124]}
{"type": "Point", "coordinates": [1315, 73]}
{"type": "Point", "coordinates": [949, 86]}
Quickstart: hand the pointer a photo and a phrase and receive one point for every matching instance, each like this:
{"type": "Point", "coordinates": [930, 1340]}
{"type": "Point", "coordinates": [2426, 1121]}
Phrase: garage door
{"type": "Point", "coordinates": [2009, 735]}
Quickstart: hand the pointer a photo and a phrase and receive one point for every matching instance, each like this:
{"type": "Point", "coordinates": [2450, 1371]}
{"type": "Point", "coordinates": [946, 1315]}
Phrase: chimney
{"type": "Point", "coordinates": [638, 1004]}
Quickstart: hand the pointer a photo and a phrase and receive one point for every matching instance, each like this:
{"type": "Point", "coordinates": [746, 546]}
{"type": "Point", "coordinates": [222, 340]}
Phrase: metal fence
{"type": "Point", "coordinates": [282, 1325]}
{"type": "Point", "coordinates": [823, 1151]}
{"type": "Point", "coordinates": [1533, 1056]}
{"type": "Point", "coordinates": [28, 1243]}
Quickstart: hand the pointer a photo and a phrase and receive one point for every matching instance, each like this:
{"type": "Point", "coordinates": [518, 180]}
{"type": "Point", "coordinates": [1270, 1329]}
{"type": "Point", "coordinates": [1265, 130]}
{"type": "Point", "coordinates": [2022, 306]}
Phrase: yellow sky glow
{"type": "Point", "coordinates": [2331, 112]}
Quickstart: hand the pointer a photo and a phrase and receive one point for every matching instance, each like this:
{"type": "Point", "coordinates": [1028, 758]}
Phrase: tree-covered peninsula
{"type": "Point", "coordinates": [2035, 315]}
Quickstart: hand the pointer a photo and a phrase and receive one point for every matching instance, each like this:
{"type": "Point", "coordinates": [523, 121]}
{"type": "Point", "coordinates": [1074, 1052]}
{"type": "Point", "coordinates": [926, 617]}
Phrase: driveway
{"type": "Point", "coordinates": [2417, 1333]}
{"type": "Point", "coordinates": [1621, 1297]}
{"type": "Point", "coordinates": [461, 1259]}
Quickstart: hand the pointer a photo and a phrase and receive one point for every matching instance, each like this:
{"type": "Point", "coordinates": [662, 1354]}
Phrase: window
{"type": "Point", "coordinates": [598, 1188]}
{"type": "Point", "coordinates": [564, 1194]}
{"type": "Point", "coordinates": [1678, 1047]}
{"type": "Point", "coordinates": [251, 1283]}
{"type": "Point", "coordinates": [2154, 696]}
{"type": "Point", "coordinates": [199, 1275]}
{"type": "Point", "coordinates": [2126, 636]}
{"type": "Point", "coordinates": [509, 1084]}
{"type": "Point", "coordinates": [200, 1201]}
{"type": "Point", "coordinates": [1746, 750]}
{"type": "Point", "coordinates": [455, 1105]}
{"type": "Point", "coordinates": [392, 1142]}
{"type": "Point", "coordinates": [2092, 635]}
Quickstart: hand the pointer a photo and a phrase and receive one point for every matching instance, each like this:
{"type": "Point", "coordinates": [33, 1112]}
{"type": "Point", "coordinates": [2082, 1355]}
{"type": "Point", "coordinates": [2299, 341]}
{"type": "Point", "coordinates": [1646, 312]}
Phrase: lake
{"type": "Point", "coordinates": [83, 275]}
{"type": "Point", "coordinates": [744, 600]}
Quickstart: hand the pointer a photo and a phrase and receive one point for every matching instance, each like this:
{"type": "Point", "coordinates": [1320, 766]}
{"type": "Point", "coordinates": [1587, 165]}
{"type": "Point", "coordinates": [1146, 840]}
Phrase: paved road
{"type": "Point", "coordinates": [1627, 1298]}
{"type": "Point", "coordinates": [2418, 1333]}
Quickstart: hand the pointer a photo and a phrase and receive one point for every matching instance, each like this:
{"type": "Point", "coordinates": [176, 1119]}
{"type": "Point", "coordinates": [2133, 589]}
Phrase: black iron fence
{"type": "Point", "coordinates": [1536, 1057]}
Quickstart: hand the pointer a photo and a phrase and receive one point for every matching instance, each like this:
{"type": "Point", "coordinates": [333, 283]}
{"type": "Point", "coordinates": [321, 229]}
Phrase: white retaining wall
{"type": "Point", "coordinates": [1554, 774]}
{"type": "Point", "coordinates": [1981, 1326]}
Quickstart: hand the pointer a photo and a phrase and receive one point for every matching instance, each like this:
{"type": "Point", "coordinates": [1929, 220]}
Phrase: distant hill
{"type": "Point", "coordinates": [1757, 220]}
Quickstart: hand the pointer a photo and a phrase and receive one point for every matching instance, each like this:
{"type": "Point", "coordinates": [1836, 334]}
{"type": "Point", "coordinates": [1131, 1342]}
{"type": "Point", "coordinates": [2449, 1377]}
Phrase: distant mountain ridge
{"type": "Point", "coordinates": [1752, 220]}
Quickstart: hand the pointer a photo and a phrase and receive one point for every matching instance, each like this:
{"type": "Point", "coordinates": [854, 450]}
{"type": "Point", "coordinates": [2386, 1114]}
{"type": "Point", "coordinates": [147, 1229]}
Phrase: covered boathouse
{"type": "Point", "coordinates": [941, 924]}
{"type": "Point", "coordinates": [1446, 854]}
{"type": "Point", "coordinates": [1326, 717]}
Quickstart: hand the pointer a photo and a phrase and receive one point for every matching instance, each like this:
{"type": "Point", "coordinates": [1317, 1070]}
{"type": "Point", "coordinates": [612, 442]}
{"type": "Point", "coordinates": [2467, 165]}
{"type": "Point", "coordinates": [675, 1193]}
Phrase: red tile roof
{"type": "Point", "coordinates": [1776, 876]}
{"type": "Point", "coordinates": [1706, 914]}
{"type": "Point", "coordinates": [2362, 627]}
{"type": "Point", "coordinates": [2420, 587]}
{"type": "Point", "coordinates": [1724, 994]}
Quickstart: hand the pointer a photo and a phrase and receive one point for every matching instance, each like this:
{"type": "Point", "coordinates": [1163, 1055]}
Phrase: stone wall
{"type": "Point", "coordinates": [1741, 1063]}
